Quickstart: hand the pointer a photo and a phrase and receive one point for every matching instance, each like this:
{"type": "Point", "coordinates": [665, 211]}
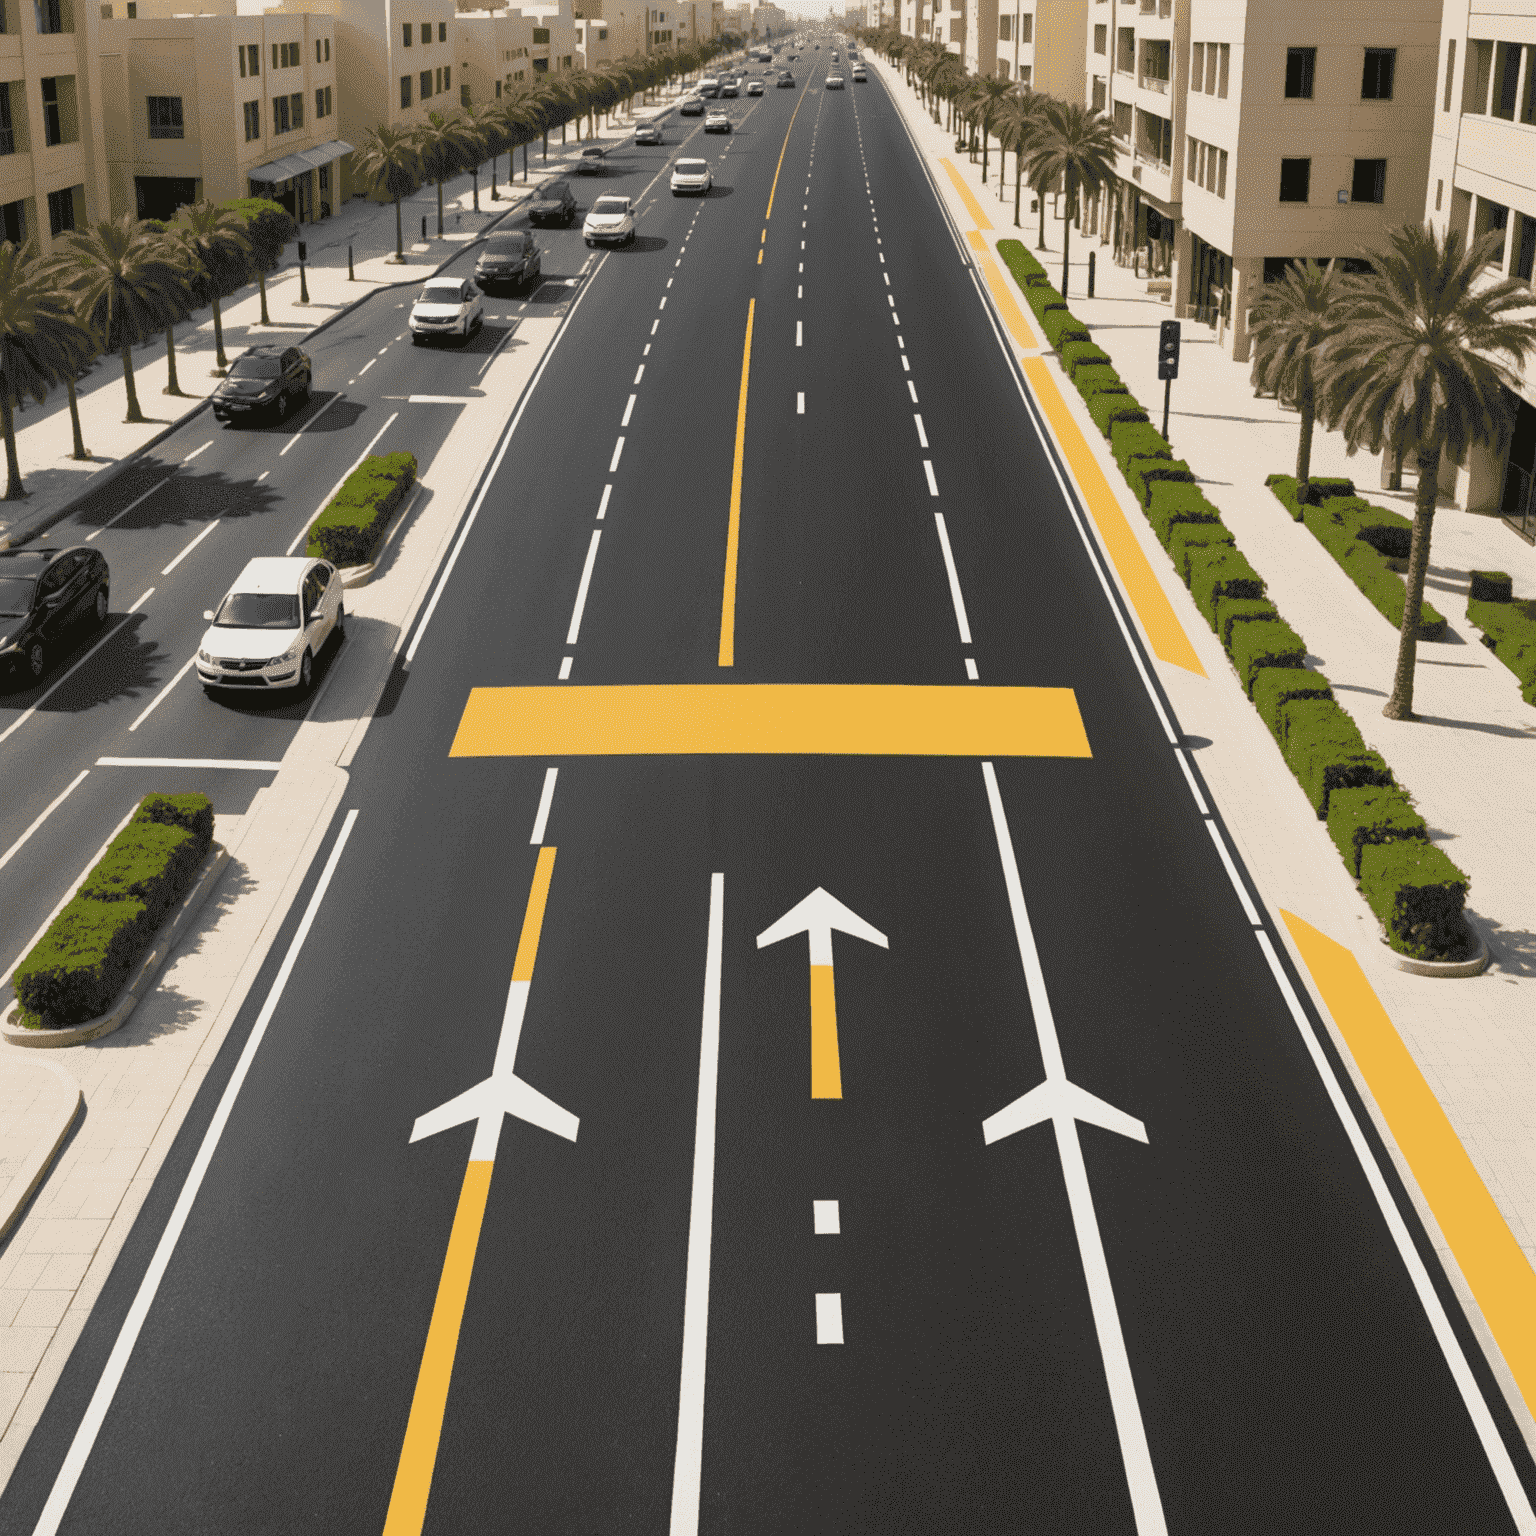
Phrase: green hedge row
{"type": "Point", "coordinates": [89, 952]}
{"type": "Point", "coordinates": [1508, 625]}
{"type": "Point", "coordinates": [1364, 540]}
{"type": "Point", "coordinates": [1414, 889]}
{"type": "Point", "coordinates": [348, 531]}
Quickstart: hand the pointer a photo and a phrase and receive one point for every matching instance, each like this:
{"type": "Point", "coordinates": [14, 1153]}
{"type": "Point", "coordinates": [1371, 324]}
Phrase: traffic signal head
{"type": "Point", "coordinates": [1168, 350]}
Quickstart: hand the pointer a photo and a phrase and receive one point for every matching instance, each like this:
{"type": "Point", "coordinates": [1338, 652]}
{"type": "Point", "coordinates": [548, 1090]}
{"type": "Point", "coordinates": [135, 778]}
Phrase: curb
{"type": "Point", "coordinates": [40, 1158]}
{"type": "Point", "coordinates": [1448, 968]}
{"type": "Point", "coordinates": [133, 994]}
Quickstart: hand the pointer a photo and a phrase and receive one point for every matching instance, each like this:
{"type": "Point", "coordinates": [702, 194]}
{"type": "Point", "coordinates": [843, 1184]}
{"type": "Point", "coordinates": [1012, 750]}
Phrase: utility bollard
{"type": "Point", "coordinates": [303, 285]}
{"type": "Point", "coordinates": [352, 279]}
{"type": "Point", "coordinates": [1092, 266]}
{"type": "Point", "coordinates": [423, 226]}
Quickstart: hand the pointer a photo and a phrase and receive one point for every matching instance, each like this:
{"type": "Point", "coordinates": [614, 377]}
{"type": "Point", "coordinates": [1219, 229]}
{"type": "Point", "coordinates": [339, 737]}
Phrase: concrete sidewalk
{"type": "Point", "coordinates": [1470, 761]}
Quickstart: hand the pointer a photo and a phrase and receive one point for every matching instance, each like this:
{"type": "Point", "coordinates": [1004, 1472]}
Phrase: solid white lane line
{"type": "Point", "coordinates": [117, 516]}
{"type": "Point", "coordinates": [188, 762]}
{"type": "Point", "coordinates": [933, 485]}
{"type": "Point", "coordinates": [911, 389]}
{"type": "Point", "coordinates": [546, 799]}
{"type": "Point", "coordinates": [639, 372]}
{"type": "Point", "coordinates": [53, 805]}
{"type": "Point", "coordinates": [190, 547]}
{"type": "Point", "coordinates": [689, 1463]}
{"type": "Point", "coordinates": [618, 448]}
{"type": "Point", "coordinates": [800, 403]}
{"type": "Point", "coordinates": [1189, 778]}
{"type": "Point", "coordinates": [955, 595]}
{"type": "Point", "coordinates": [1232, 874]}
{"type": "Point", "coordinates": [154, 703]}
{"type": "Point", "coordinates": [366, 366]}
{"type": "Point", "coordinates": [602, 506]}
{"type": "Point", "coordinates": [331, 495]}
{"type": "Point", "coordinates": [565, 667]}
{"type": "Point", "coordinates": [308, 424]}
{"type": "Point", "coordinates": [629, 410]}
{"type": "Point", "coordinates": [581, 590]}
{"type": "Point", "coordinates": [970, 669]}
{"type": "Point", "coordinates": [922, 436]}
{"type": "Point", "coordinates": [196, 451]}
{"type": "Point", "coordinates": [149, 593]}
{"type": "Point", "coordinates": [825, 1218]}
{"type": "Point", "coordinates": [829, 1317]}
{"type": "Point", "coordinates": [799, 333]}
{"type": "Point", "coordinates": [106, 1388]}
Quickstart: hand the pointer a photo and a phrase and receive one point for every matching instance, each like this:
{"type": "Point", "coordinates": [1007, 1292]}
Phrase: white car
{"type": "Point", "coordinates": [448, 306]}
{"type": "Point", "coordinates": [271, 625]}
{"type": "Point", "coordinates": [611, 221]}
{"type": "Point", "coordinates": [717, 122]}
{"type": "Point", "coordinates": [834, 82]}
{"type": "Point", "coordinates": [691, 176]}
{"type": "Point", "coordinates": [859, 77]}
{"type": "Point", "coordinates": [754, 88]}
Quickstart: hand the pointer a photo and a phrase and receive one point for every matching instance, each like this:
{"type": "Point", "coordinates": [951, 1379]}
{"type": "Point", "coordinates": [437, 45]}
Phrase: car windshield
{"type": "Point", "coordinates": [691, 167]}
{"type": "Point", "coordinates": [256, 368]}
{"type": "Point", "coordinates": [440, 293]}
{"type": "Point", "coordinates": [259, 610]}
{"type": "Point", "coordinates": [504, 245]}
{"type": "Point", "coordinates": [16, 596]}
{"type": "Point", "coordinates": [611, 205]}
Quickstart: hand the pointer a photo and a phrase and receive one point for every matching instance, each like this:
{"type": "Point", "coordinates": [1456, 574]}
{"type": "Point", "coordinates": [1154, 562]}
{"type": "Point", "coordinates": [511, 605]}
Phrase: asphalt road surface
{"type": "Point", "coordinates": [736, 1301]}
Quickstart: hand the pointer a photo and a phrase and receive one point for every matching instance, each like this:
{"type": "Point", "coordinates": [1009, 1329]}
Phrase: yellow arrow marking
{"type": "Point", "coordinates": [826, 1069]}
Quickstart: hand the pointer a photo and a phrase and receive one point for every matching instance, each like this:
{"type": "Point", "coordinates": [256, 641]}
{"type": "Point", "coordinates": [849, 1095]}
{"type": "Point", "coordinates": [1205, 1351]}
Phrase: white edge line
{"type": "Point", "coordinates": [58, 800]}
{"type": "Point", "coordinates": [193, 545]}
{"type": "Point", "coordinates": [954, 581]}
{"type": "Point", "coordinates": [116, 516]}
{"type": "Point", "coordinates": [331, 495]}
{"type": "Point", "coordinates": [687, 1470]}
{"type": "Point", "coordinates": [101, 1399]}
{"type": "Point", "coordinates": [155, 702]}
{"type": "Point", "coordinates": [308, 424]}
{"type": "Point", "coordinates": [1189, 778]}
{"type": "Point", "coordinates": [22, 719]}
{"type": "Point", "coordinates": [581, 590]}
{"type": "Point", "coordinates": [1249, 911]}
{"type": "Point", "coordinates": [546, 799]}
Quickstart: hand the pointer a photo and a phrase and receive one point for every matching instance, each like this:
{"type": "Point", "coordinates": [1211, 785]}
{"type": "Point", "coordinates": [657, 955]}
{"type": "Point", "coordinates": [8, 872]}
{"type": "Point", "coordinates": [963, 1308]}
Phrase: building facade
{"type": "Point", "coordinates": [1038, 43]}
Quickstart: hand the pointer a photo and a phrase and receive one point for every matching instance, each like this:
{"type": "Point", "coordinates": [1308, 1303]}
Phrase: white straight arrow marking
{"type": "Point", "coordinates": [816, 917]}
{"type": "Point", "coordinates": [1063, 1103]}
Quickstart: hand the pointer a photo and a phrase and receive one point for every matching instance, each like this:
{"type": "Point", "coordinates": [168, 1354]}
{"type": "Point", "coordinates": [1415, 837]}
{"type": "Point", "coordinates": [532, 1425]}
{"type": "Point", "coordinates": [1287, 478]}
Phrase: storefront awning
{"type": "Point", "coordinates": [300, 162]}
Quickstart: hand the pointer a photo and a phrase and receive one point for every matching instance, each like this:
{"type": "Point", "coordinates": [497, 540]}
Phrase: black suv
{"type": "Point", "coordinates": [509, 257]}
{"type": "Point", "coordinates": [263, 379]}
{"type": "Point", "coordinates": [553, 203]}
{"type": "Point", "coordinates": [43, 592]}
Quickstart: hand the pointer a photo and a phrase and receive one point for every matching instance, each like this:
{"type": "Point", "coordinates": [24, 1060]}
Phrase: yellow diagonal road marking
{"type": "Point", "coordinates": [972, 207]}
{"type": "Point", "coordinates": [780, 166]}
{"type": "Point", "coordinates": [1164, 632]}
{"type": "Point", "coordinates": [1490, 1257]}
{"type": "Point", "coordinates": [857, 720]}
{"type": "Point", "coordinates": [1002, 292]}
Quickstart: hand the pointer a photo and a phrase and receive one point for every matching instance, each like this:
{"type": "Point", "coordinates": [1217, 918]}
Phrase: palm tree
{"type": "Point", "coordinates": [216, 239]}
{"type": "Point", "coordinates": [444, 148]}
{"type": "Point", "coordinates": [269, 227]}
{"type": "Point", "coordinates": [481, 126]}
{"type": "Point", "coordinates": [1290, 324]}
{"type": "Point", "coordinates": [125, 286]}
{"type": "Point", "coordinates": [1419, 363]}
{"type": "Point", "coordinates": [41, 345]}
{"type": "Point", "coordinates": [387, 162]}
{"type": "Point", "coordinates": [179, 253]}
{"type": "Point", "coordinates": [1019, 120]}
{"type": "Point", "coordinates": [1076, 145]}
{"type": "Point", "coordinates": [989, 95]}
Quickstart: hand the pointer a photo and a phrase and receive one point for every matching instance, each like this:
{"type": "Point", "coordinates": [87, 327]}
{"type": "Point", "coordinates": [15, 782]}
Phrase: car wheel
{"type": "Point", "coordinates": [36, 660]}
{"type": "Point", "coordinates": [306, 672]}
{"type": "Point", "coordinates": [103, 607]}
{"type": "Point", "coordinates": [590, 244]}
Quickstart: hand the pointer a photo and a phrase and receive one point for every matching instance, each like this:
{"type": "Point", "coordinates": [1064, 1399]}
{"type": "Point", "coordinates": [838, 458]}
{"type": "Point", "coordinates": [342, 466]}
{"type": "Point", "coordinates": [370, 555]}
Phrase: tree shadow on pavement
{"type": "Point", "coordinates": [643, 245]}
{"type": "Point", "coordinates": [125, 667]}
{"type": "Point", "coordinates": [1512, 949]}
{"type": "Point", "coordinates": [184, 498]}
{"type": "Point", "coordinates": [341, 415]}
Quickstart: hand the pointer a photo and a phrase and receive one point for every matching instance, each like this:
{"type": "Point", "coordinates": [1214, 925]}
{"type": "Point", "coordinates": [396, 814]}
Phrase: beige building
{"type": "Point", "coordinates": [1254, 134]}
{"type": "Point", "coordinates": [1482, 177]}
{"type": "Point", "coordinates": [1038, 43]}
{"type": "Point", "coordinates": [52, 166]}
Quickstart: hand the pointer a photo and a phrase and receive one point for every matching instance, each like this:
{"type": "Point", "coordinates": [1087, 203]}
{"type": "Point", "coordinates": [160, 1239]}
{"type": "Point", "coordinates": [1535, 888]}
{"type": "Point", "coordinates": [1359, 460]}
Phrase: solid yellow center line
{"type": "Point", "coordinates": [733, 531]}
{"type": "Point", "coordinates": [780, 166]}
{"type": "Point", "coordinates": [826, 1068]}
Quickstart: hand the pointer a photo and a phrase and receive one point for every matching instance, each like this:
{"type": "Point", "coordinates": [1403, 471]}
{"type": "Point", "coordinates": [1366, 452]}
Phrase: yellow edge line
{"type": "Point", "coordinates": [780, 166]}
{"type": "Point", "coordinates": [1496, 1268]}
{"type": "Point", "coordinates": [972, 207]}
{"type": "Point", "coordinates": [1164, 632]}
{"type": "Point", "coordinates": [1007, 307]}
{"type": "Point", "coordinates": [533, 917]}
{"type": "Point", "coordinates": [733, 530]}
{"type": "Point", "coordinates": [418, 1456]}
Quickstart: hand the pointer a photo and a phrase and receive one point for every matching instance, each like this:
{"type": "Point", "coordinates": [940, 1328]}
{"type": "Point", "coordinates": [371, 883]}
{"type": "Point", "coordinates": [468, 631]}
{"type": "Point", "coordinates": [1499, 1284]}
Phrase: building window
{"type": "Point", "coordinates": [296, 101]}
{"type": "Point", "coordinates": [540, 66]}
{"type": "Point", "coordinates": [1370, 182]}
{"type": "Point", "coordinates": [1026, 28]}
{"type": "Point", "coordinates": [1123, 120]}
{"type": "Point", "coordinates": [253, 58]}
{"type": "Point", "coordinates": [1100, 94]}
{"type": "Point", "coordinates": [1474, 85]}
{"type": "Point", "coordinates": [1101, 39]}
{"type": "Point", "coordinates": [540, 35]}
{"type": "Point", "coordinates": [165, 118]}
{"type": "Point", "coordinates": [1525, 256]}
{"type": "Point", "coordinates": [7, 128]}
{"type": "Point", "coordinates": [61, 210]}
{"type": "Point", "coordinates": [279, 114]}
{"type": "Point", "coordinates": [50, 18]}
{"type": "Point", "coordinates": [1197, 66]}
{"type": "Point", "coordinates": [252, 120]}
{"type": "Point", "coordinates": [1222, 73]}
{"type": "Point", "coordinates": [327, 50]}
{"type": "Point", "coordinates": [406, 33]}
{"type": "Point", "coordinates": [1380, 66]}
{"type": "Point", "coordinates": [1125, 50]}
{"type": "Point", "coordinates": [1439, 195]}
{"type": "Point", "coordinates": [322, 101]}
{"type": "Point", "coordinates": [1528, 105]}
{"type": "Point", "coordinates": [957, 31]}
{"type": "Point", "coordinates": [1506, 81]}
{"type": "Point", "coordinates": [53, 122]}
{"type": "Point", "coordinates": [1450, 74]}
{"type": "Point", "coordinates": [447, 77]}
{"type": "Point", "coordinates": [13, 222]}
{"type": "Point", "coordinates": [1295, 180]}
{"type": "Point", "coordinates": [426, 84]}
{"type": "Point", "coordinates": [1300, 65]}
{"type": "Point", "coordinates": [442, 31]}
{"type": "Point", "coordinates": [1156, 138]}
{"type": "Point", "coordinates": [1005, 29]}
{"type": "Point", "coordinates": [405, 90]}
{"type": "Point", "coordinates": [240, 61]}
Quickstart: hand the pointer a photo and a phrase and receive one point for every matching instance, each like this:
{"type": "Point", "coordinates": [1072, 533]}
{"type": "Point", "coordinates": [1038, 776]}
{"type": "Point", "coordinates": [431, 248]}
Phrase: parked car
{"type": "Point", "coordinates": [754, 88]}
{"type": "Point", "coordinates": [834, 82]}
{"type": "Point", "coordinates": [448, 306]}
{"type": "Point", "coordinates": [691, 176]}
{"type": "Point", "coordinates": [263, 380]}
{"type": "Point", "coordinates": [693, 106]}
{"type": "Point", "coordinates": [553, 203]}
{"type": "Point", "coordinates": [507, 258]}
{"type": "Point", "coordinates": [43, 594]}
{"type": "Point", "coordinates": [650, 133]}
{"type": "Point", "coordinates": [717, 122]}
{"type": "Point", "coordinates": [611, 221]}
{"type": "Point", "coordinates": [591, 159]}
{"type": "Point", "coordinates": [272, 624]}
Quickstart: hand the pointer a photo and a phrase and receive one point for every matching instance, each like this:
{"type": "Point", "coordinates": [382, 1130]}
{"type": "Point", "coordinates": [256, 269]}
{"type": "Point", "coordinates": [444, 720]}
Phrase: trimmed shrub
{"type": "Point", "coordinates": [1221, 573]}
{"type": "Point", "coordinates": [1419, 895]}
{"type": "Point", "coordinates": [1491, 587]}
{"type": "Point", "coordinates": [1230, 611]}
{"type": "Point", "coordinates": [1324, 749]}
{"type": "Point", "coordinates": [1318, 491]}
{"type": "Point", "coordinates": [1077, 353]}
{"type": "Point", "coordinates": [1186, 541]}
{"type": "Point", "coordinates": [349, 529]}
{"type": "Point", "coordinates": [1142, 474]}
{"type": "Point", "coordinates": [1017, 258]}
{"type": "Point", "coordinates": [1109, 409]}
{"type": "Point", "coordinates": [1358, 818]}
{"type": "Point", "coordinates": [1137, 440]}
{"type": "Point", "coordinates": [1275, 687]}
{"type": "Point", "coordinates": [1060, 324]}
{"type": "Point", "coordinates": [1271, 643]}
{"type": "Point", "coordinates": [1175, 502]}
{"type": "Point", "coordinates": [1509, 631]}
{"type": "Point", "coordinates": [1091, 378]}
{"type": "Point", "coordinates": [87, 955]}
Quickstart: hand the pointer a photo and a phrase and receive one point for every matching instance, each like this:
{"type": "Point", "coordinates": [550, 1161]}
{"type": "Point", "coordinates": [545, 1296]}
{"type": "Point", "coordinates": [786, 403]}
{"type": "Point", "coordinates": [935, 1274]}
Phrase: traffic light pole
{"type": "Point", "coordinates": [1167, 392]}
{"type": "Point", "coordinates": [1167, 364]}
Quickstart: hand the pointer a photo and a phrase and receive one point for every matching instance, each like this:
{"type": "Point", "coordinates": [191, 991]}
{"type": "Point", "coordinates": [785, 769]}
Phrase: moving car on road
{"type": "Point", "coordinates": [834, 82]}
{"type": "Point", "coordinates": [859, 76]}
{"type": "Point", "coordinates": [693, 106]}
{"type": "Point", "coordinates": [691, 176]}
{"type": "Point", "coordinates": [448, 306]}
{"type": "Point", "coordinates": [786, 81]}
{"type": "Point", "coordinates": [263, 380]}
{"type": "Point", "coordinates": [730, 87]}
{"type": "Point", "coordinates": [508, 257]}
{"type": "Point", "coordinates": [717, 122]}
{"type": "Point", "coordinates": [43, 594]}
{"type": "Point", "coordinates": [591, 159]}
{"type": "Point", "coordinates": [754, 88]}
{"type": "Point", "coordinates": [611, 221]}
{"type": "Point", "coordinates": [709, 86]}
{"type": "Point", "coordinates": [271, 625]}
{"type": "Point", "coordinates": [553, 203]}
{"type": "Point", "coordinates": [650, 133]}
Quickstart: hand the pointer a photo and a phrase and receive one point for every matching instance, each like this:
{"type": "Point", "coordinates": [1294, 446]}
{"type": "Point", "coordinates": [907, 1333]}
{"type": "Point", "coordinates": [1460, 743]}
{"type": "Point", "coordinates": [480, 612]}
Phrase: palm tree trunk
{"type": "Point", "coordinates": [1018, 187]}
{"type": "Point", "coordinates": [1306, 399]}
{"type": "Point", "coordinates": [261, 283]}
{"type": "Point", "coordinates": [1400, 705]}
{"type": "Point", "coordinates": [1066, 235]}
{"type": "Point", "coordinates": [81, 451]}
{"type": "Point", "coordinates": [14, 490]}
{"type": "Point", "coordinates": [439, 210]}
{"type": "Point", "coordinates": [221, 362]}
{"type": "Point", "coordinates": [1040, 195]}
{"type": "Point", "coordinates": [474, 177]}
{"type": "Point", "coordinates": [172, 383]}
{"type": "Point", "coordinates": [525, 163]}
{"type": "Point", "coordinates": [984, 149]}
{"type": "Point", "coordinates": [134, 413]}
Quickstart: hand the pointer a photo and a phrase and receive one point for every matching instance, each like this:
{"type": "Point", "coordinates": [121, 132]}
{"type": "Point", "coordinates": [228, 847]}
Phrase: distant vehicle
{"type": "Point", "coordinates": [786, 80]}
{"type": "Point", "coordinates": [834, 82]}
{"type": "Point", "coordinates": [272, 624]}
{"type": "Point", "coordinates": [591, 159]}
{"type": "Point", "coordinates": [508, 257]}
{"type": "Point", "coordinates": [43, 594]}
{"type": "Point", "coordinates": [553, 203]}
{"type": "Point", "coordinates": [610, 221]}
{"type": "Point", "coordinates": [858, 74]}
{"type": "Point", "coordinates": [648, 133]}
{"type": "Point", "coordinates": [693, 106]}
{"type": "Point", "coordinates": [691, 176]}
{"type": "Point", "coordinates": [729, 88]}
{"type": "Point", "coordinates": [717, 122]}
{"type": "Point", "coordinates": [267, 380]}
{"type": "Point", "coordinates": [448, 306]}
{"type": "Point", "coordinates": [754, 88]}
